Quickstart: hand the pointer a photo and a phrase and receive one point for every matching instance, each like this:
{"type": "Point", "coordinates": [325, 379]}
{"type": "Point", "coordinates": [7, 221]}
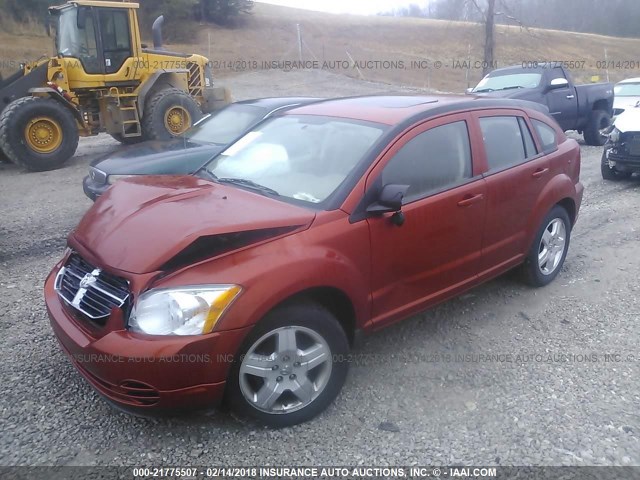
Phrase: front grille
{"type": "Point", "coordinates": [628, 145]}
{"type": "Point", "coordinates": [624, 159]}
{"type": "Point", "coordinates": [89, 290]}
{"type": "Point", "coordinates": [633, 145]}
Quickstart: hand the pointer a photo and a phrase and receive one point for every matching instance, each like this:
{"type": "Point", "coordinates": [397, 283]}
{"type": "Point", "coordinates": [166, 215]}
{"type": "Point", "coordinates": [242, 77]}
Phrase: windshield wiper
{"type": "Point", "coordinates": [483, 90]}
{"type": "Point", "coordinates": [514, 87]}
{"type": "Point", "coordinates": [243, 182]}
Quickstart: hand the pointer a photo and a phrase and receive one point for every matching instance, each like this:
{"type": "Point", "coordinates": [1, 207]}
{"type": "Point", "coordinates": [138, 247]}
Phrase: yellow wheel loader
{"type": "Point", "coordinates": [102, 79]}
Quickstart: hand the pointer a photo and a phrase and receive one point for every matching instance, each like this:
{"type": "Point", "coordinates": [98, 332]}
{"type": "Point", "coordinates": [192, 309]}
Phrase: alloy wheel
{"type": "Point", "coordinates": [285, 370]}
{"type": "Point", "coordinates": [552, 246]}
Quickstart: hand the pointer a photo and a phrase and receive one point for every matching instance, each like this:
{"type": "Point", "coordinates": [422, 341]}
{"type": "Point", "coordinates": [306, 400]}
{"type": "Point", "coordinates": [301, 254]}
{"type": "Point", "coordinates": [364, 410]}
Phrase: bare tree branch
{"type": "Point", "coordinates": [480, 10]}
{"type": "Point", "coordinates": [509, 15]}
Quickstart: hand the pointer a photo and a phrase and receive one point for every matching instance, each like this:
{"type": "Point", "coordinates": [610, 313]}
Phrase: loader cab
{"type": "Point", "coordinates": [101, 35]}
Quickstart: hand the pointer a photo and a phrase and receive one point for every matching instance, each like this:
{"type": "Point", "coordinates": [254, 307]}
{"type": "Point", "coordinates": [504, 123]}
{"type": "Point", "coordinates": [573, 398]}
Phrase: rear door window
{"type": "Point", "coordinates": [503, 142]}
{"type": "Point", "coordinates": [529, 145]}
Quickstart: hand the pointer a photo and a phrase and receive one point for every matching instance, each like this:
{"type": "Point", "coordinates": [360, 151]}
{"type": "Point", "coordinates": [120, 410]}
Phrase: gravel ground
{"type": "Point", "coordinates": [413, 398]}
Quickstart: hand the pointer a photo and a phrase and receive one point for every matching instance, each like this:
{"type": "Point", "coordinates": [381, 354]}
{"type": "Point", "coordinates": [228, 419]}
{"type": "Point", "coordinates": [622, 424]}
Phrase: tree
{"type": "Point", "coordinates": [489, 36]}
{"type": "Point", "coordinates": [223, 12]}
{"type": "Point", "coordinates": [619, 18]}
{"type": "Point", "coordinates": [22, 10]}
{"type": "Point", "coordinates": [176, 13]}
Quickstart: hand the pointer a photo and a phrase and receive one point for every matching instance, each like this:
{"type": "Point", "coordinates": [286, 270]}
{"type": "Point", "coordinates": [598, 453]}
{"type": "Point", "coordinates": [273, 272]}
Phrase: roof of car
{"type": "Point", "coordinates": [278, 102]}
{"type": "Point", "coordinates": [630, 80]}
{"type": "Point", "coordinates": [395, 109]}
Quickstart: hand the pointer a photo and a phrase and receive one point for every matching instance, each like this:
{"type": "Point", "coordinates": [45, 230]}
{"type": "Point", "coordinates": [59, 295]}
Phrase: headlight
{"type": "Point", "coordinates": [614, 136]}
{"type": "Point", "coordinates": [97, 175]}
{"type": "Point", "coordinates": [182, 311]}
{"type": "Point", "coordinates": [111, 179]}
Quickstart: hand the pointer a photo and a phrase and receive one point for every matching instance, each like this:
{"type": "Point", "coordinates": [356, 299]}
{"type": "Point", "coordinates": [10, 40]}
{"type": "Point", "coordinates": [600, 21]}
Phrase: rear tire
{"type": "Point", "coordinates": [549, 249]}
{"type": "Point", "coordinates": [299, 352]}
{"type": "Point", "coordinates": [38, 134]}
{"type": "Point", "coordinates": [599, 121]}
{"type": "Point", "coordinates": [168, 114]}
{"type": "Point", "coordinates": [609, 173]}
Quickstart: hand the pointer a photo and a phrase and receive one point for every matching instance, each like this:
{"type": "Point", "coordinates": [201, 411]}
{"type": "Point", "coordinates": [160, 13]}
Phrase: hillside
{"type": "Point", "coordinates": [411, 52]}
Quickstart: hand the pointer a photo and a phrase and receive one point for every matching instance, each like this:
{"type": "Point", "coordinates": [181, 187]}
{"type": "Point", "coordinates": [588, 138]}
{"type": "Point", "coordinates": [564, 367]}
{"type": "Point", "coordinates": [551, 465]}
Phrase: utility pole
{"type": "Point", "coordinates": [489, 37]}
{"type": "Point", "coordinates": [299, 42]}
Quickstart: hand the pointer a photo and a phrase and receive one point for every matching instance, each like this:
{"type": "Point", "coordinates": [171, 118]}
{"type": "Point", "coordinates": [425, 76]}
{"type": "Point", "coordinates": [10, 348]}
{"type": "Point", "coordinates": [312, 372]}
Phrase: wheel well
{"type": "Point", "coordinates": [569, 205]}
{"type": "Point", "coordinates": [334, 300]}
{"type": "Point", "coordinates": [601, 105]}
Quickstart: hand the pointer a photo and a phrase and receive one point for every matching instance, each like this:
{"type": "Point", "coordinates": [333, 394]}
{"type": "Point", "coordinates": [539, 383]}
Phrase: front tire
{"type": "Point", "coordinates": [291, 367]}
{"type": "Point", "coordinates": [38, 134]}
{"type": "Point", "coordinates": [169, 113]}
{"type": "Point", "coordinates": [549, 249]}
{"type": "Point", "coordinates": [594, 133]}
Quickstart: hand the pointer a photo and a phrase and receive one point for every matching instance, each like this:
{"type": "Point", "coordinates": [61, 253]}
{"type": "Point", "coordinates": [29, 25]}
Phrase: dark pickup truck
{"type": "Point", "coordinates": [585, 108]}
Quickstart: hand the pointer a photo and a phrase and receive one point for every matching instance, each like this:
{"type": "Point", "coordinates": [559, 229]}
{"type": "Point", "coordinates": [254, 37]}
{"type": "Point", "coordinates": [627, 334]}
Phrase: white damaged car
{"type": "Point", "coordinates": [621, 156]}
{"type": "Point", "coordinates": [626, 95]}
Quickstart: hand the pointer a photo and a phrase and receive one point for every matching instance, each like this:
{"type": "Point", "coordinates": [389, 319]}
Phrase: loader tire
{"type": "Point", "coordinates": [38, 134]}
{"type": "Point", "coordinates": [168, 114]}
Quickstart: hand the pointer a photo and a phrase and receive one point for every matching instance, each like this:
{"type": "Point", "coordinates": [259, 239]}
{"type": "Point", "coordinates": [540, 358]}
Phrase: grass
{"type": "Point", "coordinates": [20, 42]}
{"type": "Point", "coordinates": [407, 46]}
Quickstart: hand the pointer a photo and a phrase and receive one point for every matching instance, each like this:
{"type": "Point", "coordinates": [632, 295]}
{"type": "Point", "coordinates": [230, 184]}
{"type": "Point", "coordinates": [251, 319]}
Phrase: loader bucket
{"type": "Point", "coordinates": [18, 85]}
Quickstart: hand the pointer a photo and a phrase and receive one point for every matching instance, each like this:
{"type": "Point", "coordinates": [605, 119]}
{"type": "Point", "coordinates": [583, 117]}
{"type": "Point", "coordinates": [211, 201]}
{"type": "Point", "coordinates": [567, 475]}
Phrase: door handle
{"type": "Point", "coordinates": [571, 97]}
{"type": "Point", "coordinates": [539, 172]}
{"type": "Point", "coordinates": [470, 200]}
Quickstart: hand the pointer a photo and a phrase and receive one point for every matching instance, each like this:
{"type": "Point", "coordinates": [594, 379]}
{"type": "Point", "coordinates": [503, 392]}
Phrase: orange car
{"type": "Point", "coordinates": [251, 280]}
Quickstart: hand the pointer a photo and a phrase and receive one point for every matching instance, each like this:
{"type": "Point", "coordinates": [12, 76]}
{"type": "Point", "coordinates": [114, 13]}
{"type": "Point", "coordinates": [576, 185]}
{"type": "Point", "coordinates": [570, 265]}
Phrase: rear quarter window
{"type": "Point", "coordinates": [547, 135]}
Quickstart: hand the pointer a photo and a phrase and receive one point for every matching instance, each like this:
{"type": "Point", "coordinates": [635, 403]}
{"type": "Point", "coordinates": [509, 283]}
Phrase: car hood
{"type": "Point", "coordinates": [625, 103]}
{"type": "Point", "coordinates": [629, 120]}
{"type": "Point", "coordinates": [171, 157]}
{"type": "Point", "coordinates": [141, 225]}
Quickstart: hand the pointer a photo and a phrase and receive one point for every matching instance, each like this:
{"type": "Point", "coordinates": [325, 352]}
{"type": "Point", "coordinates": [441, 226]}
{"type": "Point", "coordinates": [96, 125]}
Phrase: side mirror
{"type": "Point", "coordinates": [389, 200]}
{"type": "Point", "coordinates": [469, 90]}
{"type": "Point", "coordinates": [558, 83]}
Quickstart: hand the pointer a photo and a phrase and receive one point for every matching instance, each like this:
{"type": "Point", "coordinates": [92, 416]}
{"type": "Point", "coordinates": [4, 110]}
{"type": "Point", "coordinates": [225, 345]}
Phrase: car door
{"type": "Point", "coordinates": [515, 177]}
{"type": "Point", "coordinates": [562, 102]}
{"type": "Point", "coordinates": [436, 251]}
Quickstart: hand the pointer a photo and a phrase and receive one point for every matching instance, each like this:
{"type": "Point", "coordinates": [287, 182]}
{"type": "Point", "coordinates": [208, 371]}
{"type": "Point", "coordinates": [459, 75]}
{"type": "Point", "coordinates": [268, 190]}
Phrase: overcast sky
{"type": "Point", "coordinates": [364, 7]}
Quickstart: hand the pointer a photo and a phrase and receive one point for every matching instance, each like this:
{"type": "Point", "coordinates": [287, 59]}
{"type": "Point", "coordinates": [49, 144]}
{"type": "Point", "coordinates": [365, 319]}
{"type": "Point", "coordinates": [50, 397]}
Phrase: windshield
{"type": "Point", "coordinates": [73, 41]}
{"type": "Point", "coordinates": [301, 157]}
{"type": "Point", "coordinates": [510, 81]}
{"type": "Point", "coordinates": [627, 90]}
{"type": "Point", "coordinates": [226, 125]}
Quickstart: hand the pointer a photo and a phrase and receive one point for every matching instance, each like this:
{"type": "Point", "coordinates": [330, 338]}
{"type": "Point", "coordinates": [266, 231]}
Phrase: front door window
{"type": "Point", "coordinates": [116, 40]}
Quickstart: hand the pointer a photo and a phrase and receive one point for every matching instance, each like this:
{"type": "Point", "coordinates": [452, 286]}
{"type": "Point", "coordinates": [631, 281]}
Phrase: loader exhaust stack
{"type": "Point", "coordinates": [157, 33]}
